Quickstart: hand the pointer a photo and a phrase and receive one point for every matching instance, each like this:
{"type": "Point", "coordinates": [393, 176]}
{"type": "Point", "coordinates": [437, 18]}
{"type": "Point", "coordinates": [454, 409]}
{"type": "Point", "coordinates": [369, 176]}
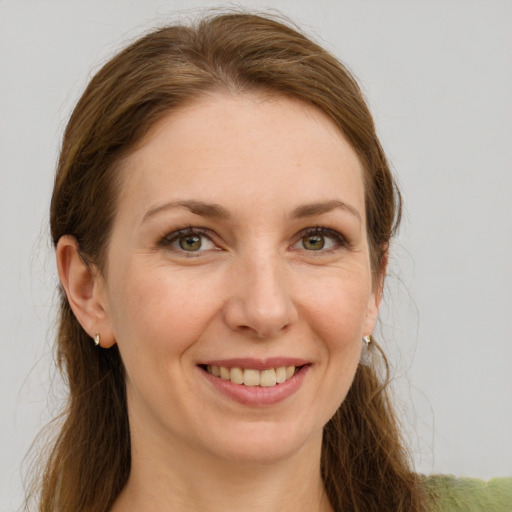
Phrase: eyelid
{"type": "Point", "coordinates": [340, 240]}
{"type": "Point", "coordinates": [168, 240]}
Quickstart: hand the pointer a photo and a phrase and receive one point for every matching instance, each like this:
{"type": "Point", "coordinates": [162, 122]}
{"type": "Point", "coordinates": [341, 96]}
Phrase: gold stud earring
{"type": "Point", "coordinates": [367, 340]}
{"type": "Point", "coordinates": [97, 339]}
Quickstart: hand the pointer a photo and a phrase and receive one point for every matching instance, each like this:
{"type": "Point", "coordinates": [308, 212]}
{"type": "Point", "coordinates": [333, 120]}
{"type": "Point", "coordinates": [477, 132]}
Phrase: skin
{"type": "Point", "coordinates": [257, 288]}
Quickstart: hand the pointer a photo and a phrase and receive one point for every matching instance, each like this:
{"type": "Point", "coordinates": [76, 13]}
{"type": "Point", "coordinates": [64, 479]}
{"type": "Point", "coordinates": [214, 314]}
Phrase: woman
{"type": "Point", "coordinates": [222, 214]}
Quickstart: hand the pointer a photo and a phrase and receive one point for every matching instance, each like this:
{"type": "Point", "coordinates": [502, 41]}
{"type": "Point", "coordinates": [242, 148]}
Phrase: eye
{"type": "Point", "coordinates": [313, 242]}
{"type": "Point", "coordinates": [189, 240]}
{"type": "Point", "coordinates": [320, 239]}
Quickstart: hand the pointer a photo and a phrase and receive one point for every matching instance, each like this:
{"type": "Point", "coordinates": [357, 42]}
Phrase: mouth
{"type": "Point", "coordinates": [256, 382]}
{"type": "Point", "coordinates": [267, 377]}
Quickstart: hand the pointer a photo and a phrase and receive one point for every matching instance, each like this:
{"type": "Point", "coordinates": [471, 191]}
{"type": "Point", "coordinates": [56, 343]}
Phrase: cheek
{"type": "Point", "coordinates": [338, 310]}
{"type": "Point", "coordinates": [161, 311]}
{"type": "Point", "coordinates": [337, 315]}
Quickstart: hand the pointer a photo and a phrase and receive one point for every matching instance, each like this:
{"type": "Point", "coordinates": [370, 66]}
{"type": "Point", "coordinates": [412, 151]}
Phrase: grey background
{"type": "Point", "coordinates": [438, 77]}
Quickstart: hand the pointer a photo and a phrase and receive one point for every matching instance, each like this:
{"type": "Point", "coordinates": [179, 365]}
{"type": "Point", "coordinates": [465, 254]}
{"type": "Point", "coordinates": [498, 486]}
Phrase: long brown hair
{"type": "Point", "coordinates": [364, 464]}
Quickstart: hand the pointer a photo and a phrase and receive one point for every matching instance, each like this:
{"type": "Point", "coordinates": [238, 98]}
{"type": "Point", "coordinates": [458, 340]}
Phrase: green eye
{"type": "Point", "coordinates": [320, 239]}
{"type": "Point", "coordinates": [190, 242]}
{"type": "Point", "coordinates": [313, 242]}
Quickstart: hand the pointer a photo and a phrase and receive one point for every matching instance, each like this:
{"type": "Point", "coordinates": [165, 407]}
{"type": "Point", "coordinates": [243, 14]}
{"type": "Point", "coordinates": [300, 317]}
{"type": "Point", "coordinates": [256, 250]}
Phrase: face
{"type": "Point", "coordinates": [238, 282]}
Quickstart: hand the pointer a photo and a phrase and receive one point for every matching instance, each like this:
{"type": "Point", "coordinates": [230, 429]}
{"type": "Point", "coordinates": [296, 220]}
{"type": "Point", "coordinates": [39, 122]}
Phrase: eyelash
{"type": "Point", "coordinates": [339, 240]}
{"type": "Point", "coordinates": [171, 238]}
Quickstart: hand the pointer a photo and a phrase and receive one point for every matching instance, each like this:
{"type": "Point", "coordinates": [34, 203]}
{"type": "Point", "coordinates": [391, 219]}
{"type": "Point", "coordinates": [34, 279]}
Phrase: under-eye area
{"type": "Point", "coordinates": [254, 377]}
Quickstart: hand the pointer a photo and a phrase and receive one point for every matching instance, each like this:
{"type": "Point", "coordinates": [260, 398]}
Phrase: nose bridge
{"type": "Point", "coordinates": [261, 301]}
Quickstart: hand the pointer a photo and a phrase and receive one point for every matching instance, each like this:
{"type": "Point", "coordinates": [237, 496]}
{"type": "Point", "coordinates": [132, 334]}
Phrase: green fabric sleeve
{"type": "Point", "coordinates": [450, 494]}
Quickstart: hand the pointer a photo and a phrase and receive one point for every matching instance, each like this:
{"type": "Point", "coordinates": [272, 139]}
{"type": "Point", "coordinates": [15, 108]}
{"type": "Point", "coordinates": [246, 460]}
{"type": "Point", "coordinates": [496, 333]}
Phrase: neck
{"type": "Point", "coordinates": [164, 478]}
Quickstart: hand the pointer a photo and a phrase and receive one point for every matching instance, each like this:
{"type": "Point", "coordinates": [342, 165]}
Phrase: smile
{"type": "Point", "coordinates": [256, 382]}
{"type": "Point", "coordinates": [252, 377]}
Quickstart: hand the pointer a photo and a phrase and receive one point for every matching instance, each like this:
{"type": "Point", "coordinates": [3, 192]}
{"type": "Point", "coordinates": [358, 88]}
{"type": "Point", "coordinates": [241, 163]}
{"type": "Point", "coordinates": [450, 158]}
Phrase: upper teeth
{"type": "Point", "coordinates": [251, 377]}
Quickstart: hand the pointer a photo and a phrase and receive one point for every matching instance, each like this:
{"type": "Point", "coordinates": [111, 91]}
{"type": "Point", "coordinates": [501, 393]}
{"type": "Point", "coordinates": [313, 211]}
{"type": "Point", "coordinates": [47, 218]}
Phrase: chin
{"type": "Point", "coordinates": [264, 443]}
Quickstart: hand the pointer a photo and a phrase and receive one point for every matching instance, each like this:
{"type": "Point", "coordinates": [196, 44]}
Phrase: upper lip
{"type": "Point", "coordinates": [256, 364]}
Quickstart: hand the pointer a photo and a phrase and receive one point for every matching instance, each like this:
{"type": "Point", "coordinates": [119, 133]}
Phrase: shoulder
{"type": "Point", "coordinates": [453, 494]}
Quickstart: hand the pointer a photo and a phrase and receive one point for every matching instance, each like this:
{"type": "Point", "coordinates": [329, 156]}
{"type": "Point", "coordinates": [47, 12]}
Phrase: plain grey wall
{"type": "Point", "coordinates": [438, 77]}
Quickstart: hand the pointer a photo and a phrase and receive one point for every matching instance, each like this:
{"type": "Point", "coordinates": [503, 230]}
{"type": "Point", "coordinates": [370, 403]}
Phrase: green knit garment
{"type": "Point", "coordinates": [450, 494]}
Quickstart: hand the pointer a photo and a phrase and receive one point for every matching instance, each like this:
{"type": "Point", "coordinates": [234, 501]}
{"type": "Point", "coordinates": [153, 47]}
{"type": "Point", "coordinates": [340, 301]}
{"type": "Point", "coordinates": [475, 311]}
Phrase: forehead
{"type": "Point", "coordinates": [259, 149]}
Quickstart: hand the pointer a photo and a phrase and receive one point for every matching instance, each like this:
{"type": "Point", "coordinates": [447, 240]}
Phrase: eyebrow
{"type": "Point", "coordinates": [310, 210]}
{"type": "Point", "coordinates": [198, 207]}
{"type": "Point", "coordinates": [216, 211]}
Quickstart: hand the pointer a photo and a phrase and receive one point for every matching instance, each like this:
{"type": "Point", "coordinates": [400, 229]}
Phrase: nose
{"type": "Point", "coordinates": [260, 301]}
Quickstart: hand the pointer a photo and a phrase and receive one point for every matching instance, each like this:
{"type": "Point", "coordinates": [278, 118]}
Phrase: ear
{"type": "Point", "coordinates": [375, 297]}
{"type": "Point", "coordinates": [85, 291]}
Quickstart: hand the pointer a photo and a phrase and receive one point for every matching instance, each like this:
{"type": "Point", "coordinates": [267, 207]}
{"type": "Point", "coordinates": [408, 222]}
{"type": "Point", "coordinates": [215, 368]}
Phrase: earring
{"type": "Point", "coordinates": [365, 351]}
{"type": "Point", "coordinates": [97, 339]}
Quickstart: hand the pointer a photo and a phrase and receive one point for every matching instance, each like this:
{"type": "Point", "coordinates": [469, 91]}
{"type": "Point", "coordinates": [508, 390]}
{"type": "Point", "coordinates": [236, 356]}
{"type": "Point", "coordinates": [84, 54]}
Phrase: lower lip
{"type": "Point", "coordinates": [258, 396]}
